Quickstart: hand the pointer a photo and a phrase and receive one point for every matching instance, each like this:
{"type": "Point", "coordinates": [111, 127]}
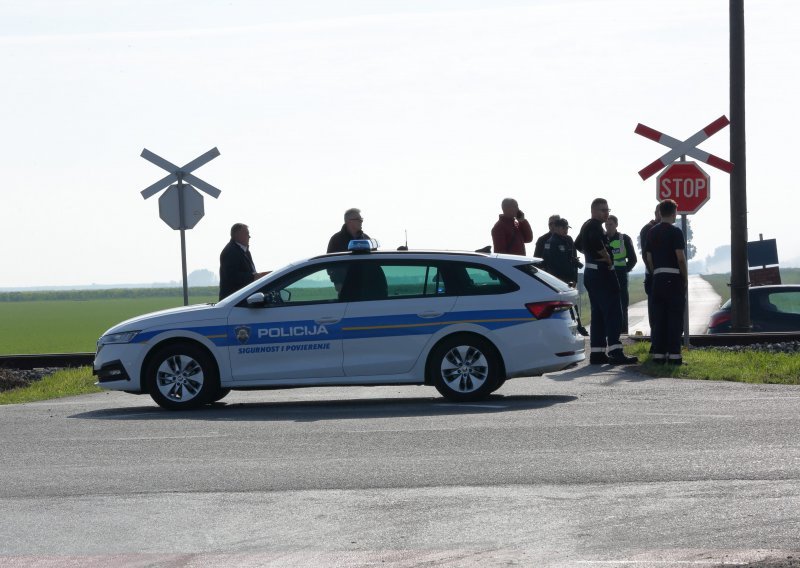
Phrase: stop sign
{"type": "Point", "coordinates": [169, 210]}
{"type": "Point", "coordinates": [686, 183]}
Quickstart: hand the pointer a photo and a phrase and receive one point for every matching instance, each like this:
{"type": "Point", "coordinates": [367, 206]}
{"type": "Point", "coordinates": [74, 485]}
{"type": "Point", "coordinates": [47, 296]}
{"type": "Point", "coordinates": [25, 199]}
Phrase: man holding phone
{"type": "Point", "coordinates": [512, 230]}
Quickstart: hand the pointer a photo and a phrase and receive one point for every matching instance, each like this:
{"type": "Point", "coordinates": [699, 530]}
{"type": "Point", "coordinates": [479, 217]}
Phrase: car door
{"type": "Point", "coordinates": [391, 315]}
{"type": "Point", "coordinates": [295, 333]}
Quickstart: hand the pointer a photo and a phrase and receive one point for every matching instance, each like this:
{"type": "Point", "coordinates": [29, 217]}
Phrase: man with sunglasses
{"type": "Point", "coordinates": [603, 289]}
{"type": "Point", "coordinates": [350, 230]}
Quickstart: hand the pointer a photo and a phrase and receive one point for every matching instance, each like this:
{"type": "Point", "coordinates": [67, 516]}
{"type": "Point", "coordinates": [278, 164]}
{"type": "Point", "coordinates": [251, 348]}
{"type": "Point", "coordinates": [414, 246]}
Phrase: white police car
{"type": "Point", "coordinates": [462, 322]}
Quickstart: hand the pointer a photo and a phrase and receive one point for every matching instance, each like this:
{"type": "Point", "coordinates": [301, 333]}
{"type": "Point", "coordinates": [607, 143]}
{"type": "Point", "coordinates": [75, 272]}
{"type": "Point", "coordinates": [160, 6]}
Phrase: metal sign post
{"type": "Point", "coordinates": [181, 207]}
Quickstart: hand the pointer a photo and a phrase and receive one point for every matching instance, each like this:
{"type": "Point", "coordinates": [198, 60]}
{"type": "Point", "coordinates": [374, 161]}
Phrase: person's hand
{"type": "Point", "coordinates": [520, 215]}
{"type": "Point", "coordinates": [262, 274]}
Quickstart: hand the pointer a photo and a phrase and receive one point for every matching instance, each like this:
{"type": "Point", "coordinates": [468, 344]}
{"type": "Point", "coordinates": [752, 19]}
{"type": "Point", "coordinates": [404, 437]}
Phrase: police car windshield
{"type": "Point", "coordinates": [545, 277]}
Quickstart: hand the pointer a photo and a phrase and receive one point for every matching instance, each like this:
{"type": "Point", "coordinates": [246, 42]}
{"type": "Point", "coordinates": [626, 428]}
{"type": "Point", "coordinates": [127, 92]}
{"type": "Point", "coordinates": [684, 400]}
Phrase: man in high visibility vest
{"type": "Point", "coordinates": [624, 256]}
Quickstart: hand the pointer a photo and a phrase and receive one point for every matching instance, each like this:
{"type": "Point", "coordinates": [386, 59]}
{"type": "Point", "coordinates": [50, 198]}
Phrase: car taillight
{"type": "Point", "coordinates": [543, 310]}
{"type": "Point", "coordinates": [719, 318]}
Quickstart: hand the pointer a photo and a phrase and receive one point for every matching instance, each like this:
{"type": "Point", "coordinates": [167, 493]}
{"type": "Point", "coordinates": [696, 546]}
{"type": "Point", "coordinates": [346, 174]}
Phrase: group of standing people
{"type": "Point", "coordinates": [610, 255]}
{"type": "Point", "coordinates": [666, 278]}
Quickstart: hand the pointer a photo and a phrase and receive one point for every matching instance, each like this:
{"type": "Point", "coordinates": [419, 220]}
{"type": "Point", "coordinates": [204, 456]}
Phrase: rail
{"type": "Point", "coordinates": [45, 360]}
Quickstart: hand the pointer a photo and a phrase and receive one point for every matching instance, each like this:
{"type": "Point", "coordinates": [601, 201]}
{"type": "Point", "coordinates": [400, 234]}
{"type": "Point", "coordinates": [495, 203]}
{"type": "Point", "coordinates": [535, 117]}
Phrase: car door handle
{"type": "Point", "coordinates": [328, 320]}
{"type": "Point", "coordinates": [430, 314]}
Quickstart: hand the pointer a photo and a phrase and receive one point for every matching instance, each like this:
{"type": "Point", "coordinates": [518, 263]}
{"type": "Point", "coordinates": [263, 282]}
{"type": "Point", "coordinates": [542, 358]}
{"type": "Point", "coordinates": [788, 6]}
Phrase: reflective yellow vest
{"type": "Point", "coordinates": [618, 252]}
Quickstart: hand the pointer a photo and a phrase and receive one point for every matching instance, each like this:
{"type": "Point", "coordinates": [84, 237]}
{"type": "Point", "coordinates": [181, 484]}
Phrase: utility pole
{"type": "Point", "coordinates": [740, 298]}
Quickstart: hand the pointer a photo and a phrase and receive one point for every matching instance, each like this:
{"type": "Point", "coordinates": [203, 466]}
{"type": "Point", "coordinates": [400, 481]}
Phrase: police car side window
{"type": "Point", "coordinates": [481, 280]}
{"type": "Point", "coordinates": [413, 280]}
{"type": "Point", "coordinates": [305, 287]}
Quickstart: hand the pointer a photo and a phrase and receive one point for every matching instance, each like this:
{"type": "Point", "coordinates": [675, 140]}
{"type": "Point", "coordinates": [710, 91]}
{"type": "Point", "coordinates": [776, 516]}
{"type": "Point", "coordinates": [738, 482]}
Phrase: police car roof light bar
{"type": "Point", "coordinates": [362, 245]}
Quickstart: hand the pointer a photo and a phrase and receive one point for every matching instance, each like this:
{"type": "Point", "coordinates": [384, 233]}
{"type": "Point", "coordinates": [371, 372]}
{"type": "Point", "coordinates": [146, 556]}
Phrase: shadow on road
{"type": "Point", "coordinates": [313, 411]}
{"type": "Point", "coordinates": [608, 374]}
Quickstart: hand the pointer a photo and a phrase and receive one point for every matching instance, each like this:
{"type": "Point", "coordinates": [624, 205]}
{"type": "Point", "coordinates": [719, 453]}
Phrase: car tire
{"type": "Point", "coordinates": [182, 376]}
{"type": "Point", "coordinates": [219, 395]}
{"type": "Point", "coordinates": [465, 368]}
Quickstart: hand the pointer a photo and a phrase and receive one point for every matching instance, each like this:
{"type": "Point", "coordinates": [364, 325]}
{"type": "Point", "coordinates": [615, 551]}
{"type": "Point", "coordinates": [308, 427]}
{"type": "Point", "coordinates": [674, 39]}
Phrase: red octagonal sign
{"type": "Point", "coordinates": [686, 183]}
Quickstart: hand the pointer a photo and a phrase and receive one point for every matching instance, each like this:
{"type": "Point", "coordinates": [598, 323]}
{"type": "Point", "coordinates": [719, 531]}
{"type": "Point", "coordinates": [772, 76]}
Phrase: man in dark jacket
{"type": "Point", "coordinates": [561, 260]}
{"type": "Point", "coordinates": [603, 289]}
{"type": "Point", "coordinates": [351, 230]}
{"type": "Point", "coordinates": [648, 277]}
{"type": "Point", "coordinates": [538, 249]}
{"type": "Point", "coordinates": [559, 255]}
{"type": "Point", "coordinates": [665, 255]}
{"type": "Point", "coordinates": [236, 268]}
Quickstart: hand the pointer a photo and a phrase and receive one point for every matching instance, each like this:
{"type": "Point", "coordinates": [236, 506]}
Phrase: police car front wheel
{"type": "Point", "coordinates": [465, 368]}
{"type": "Point", "coordinates": [182, 376]}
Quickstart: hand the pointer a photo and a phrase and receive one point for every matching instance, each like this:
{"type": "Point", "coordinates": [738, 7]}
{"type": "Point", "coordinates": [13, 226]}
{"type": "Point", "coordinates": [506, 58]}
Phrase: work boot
{"type": "Point", "coordinates": [618, 357]}
{"type": "Point", "coordinates": [598, 358]}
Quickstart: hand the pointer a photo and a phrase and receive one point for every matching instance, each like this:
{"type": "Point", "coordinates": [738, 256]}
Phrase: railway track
{"type": "Point", "coordinates": [45, 360]}
{"type": "Point", "coordinates": [41, 361]}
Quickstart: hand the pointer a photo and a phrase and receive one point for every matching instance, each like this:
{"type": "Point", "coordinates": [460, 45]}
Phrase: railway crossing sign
{"type": "Point", "coordinates": [181, 206]}
{"type": "Point", "coordinates": [687, 184]}
{"type": "Point", "coordinates": [180, 174]}
{"type": "Point", "coordinates": [687, 147]}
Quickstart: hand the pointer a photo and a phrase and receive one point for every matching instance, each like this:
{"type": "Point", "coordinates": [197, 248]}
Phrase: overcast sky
{"type": "Point", "coordinates": [423, 113]}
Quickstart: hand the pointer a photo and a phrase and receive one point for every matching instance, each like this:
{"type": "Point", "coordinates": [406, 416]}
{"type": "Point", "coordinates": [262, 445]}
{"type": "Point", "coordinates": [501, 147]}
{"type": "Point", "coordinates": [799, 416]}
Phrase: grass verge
{"type": "Point", "coordinates": [748, 366]}
{"type": "Point", "coordinates": [68, 382]}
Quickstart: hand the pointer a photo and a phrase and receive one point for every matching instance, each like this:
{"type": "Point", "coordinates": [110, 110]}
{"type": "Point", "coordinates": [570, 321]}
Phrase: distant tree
{"type": "Point", "coordinates": [202, 277]}
{"type": "Point", "coordinates": [691, 250]}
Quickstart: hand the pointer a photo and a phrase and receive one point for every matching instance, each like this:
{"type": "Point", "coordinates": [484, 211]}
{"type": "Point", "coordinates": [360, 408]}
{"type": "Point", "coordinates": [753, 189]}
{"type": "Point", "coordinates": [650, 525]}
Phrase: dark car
{"type": "Point", "coordinates": [772, 308]}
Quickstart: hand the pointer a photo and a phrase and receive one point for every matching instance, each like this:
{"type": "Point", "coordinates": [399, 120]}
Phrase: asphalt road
{"type": "Point", "coordinates": [587, 467]}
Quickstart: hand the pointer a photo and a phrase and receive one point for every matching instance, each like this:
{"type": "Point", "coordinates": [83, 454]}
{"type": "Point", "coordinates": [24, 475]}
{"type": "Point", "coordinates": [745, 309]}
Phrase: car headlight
{"type": "Point", "coordinates": [122, 337]}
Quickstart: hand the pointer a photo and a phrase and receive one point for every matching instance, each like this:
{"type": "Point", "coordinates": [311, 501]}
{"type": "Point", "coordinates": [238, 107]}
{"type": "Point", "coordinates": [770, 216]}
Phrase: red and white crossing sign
{"type": "Point", "coordinates": [687, 184]}
{"type": "Point", "coordinates": [686, 148]}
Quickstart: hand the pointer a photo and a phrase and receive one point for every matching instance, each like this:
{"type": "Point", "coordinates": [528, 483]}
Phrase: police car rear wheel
{"type": "Point", "coordinates": [465, 368]}
{"type": "Point", "coordinates": [182, 376]}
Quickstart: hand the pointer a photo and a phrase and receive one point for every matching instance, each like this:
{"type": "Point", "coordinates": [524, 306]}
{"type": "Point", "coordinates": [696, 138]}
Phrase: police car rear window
{"type": "Point", "coordinates": [545, 277]}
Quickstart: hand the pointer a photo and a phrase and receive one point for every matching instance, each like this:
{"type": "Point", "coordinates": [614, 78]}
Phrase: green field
{"type": "Point", "coordinates": [65, 325]}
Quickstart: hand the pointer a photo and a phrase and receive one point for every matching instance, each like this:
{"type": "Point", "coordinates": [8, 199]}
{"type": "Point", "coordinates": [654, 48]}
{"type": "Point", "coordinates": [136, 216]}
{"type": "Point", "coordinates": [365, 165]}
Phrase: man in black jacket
{"type": "Point", "coordinates": [236, 268]}
{"type": "Point", "coordinates": [561, 261]}
{"type": "Point", "coordinates": [350, 230]}
{"type": "Point", "coordinates": [603, 289]}
{"type": "Point", "coordinates": [538, 249]}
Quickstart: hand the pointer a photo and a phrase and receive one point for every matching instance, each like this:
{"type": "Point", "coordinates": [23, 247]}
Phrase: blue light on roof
{"type": "Point", "coordinates": [362, 245]}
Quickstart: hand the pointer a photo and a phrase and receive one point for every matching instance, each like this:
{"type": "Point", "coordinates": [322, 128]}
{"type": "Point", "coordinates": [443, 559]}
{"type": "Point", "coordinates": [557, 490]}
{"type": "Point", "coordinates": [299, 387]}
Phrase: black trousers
{"type": "Point", "coordinates": [603, 289]}
{"type": "Point", "coordinates": [668, 297]}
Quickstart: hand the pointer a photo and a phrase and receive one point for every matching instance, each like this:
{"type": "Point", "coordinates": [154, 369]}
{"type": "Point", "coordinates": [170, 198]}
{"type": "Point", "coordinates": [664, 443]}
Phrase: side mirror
{"type": "Point", "coordinates": [256, 300]}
